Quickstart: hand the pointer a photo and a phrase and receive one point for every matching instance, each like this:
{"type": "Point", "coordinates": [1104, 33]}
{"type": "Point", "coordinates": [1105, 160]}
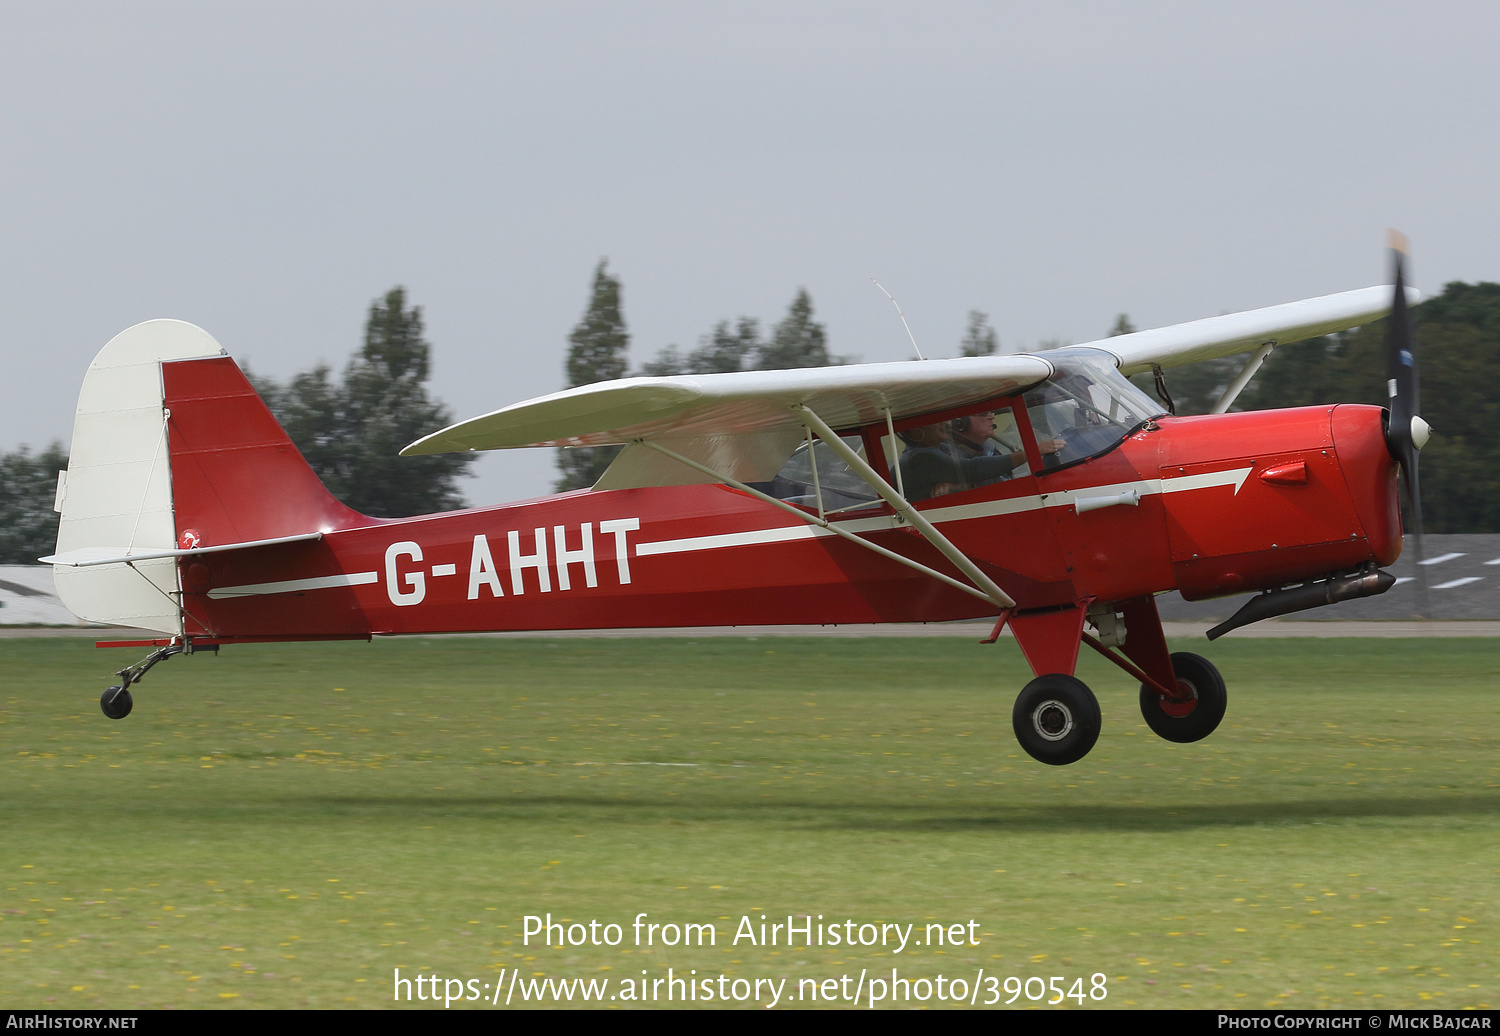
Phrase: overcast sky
{"type": "Point", "coordinates": [266, 170]}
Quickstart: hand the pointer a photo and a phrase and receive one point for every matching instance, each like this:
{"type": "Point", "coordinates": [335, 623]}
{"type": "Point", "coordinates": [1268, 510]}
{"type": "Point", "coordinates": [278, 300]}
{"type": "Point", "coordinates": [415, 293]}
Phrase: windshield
{"type": "Point", "coordinates": [1085, 409]}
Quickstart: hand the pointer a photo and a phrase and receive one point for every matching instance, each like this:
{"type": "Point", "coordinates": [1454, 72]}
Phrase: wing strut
{"type": "Point", "coordinates": [824, 523]}
{"type": "Point", "coordinates": [1243, 378]}
{"type": "Point", "coordinates": [929, 531]}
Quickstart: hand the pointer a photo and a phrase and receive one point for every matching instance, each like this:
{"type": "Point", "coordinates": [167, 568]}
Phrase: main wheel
{"type": "Point", "coordinates": [1198, 714]}
{"type": "Point", "coordinates": [116, 702]}
{"type": "Point", "coordinates": [1056, 719]}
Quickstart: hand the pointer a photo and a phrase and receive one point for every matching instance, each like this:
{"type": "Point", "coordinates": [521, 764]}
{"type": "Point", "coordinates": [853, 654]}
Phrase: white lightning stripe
{"type": "Point", "coordinates": [1450, 584]}
{"type": "Point", "coordinates": [958, 513]}
{"type": "Point", "coordinates": [1234, 477]}
{"type": "Point", "coordinates": [988, 509]}
{"type": "Point", "coordinates": [1441, 558]}
{"type": "Point", "coordinates": [289, 586]}
{"type": "Point", "coordinates": [730, 539]}
{"type": "Point", "coordinates": [1495, 562]}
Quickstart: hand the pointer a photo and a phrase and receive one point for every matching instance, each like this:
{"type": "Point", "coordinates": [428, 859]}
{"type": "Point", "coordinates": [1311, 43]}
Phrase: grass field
{"type": "Point", "coordinates": [283, 826]}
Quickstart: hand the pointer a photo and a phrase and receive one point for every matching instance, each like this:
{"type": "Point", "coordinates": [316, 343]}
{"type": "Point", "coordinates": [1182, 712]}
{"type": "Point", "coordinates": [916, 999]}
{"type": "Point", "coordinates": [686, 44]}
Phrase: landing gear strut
{"type": "Point", "coordinates": [116, 701]}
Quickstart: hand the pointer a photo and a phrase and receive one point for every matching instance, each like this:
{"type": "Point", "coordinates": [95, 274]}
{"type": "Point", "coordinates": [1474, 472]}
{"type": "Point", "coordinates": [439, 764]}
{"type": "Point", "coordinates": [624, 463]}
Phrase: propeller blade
{"type": "Point", "coordinates": [1400, 366]}
{"type": "Point", "coordinates": [1406, 432]}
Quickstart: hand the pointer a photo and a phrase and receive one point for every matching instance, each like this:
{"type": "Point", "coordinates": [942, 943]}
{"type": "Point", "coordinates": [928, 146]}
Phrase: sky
{"type": "Point", "coordinates": [267, 170]}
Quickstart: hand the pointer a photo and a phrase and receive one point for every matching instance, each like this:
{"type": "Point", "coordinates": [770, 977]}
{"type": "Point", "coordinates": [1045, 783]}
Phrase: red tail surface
{"type": "Point", "coordinates": [236, 475]}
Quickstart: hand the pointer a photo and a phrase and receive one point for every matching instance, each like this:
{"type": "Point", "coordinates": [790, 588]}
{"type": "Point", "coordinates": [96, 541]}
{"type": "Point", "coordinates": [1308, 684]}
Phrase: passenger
{"type": "Point", "coordinates": [951, 456]}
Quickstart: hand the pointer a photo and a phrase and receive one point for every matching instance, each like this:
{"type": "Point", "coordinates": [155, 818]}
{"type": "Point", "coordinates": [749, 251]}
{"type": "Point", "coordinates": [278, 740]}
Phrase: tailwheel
{"type": "Point", "coordinates": [1194, 715]}
{"type": "Point", "coordinates": [1056, 719]}
{"type": "Point", "coordinates": [116, 702]}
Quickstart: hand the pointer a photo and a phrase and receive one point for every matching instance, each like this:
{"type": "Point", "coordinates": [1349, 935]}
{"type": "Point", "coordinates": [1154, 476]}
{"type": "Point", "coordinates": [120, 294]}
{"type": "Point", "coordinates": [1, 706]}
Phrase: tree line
{"type": "Point", "coordinates": [1458, 346]}
{"type": "Point", "coordinates": [350, 426]}
{"type": "Point", "coordinates": [598, 350]}
{"type": "Point", "coordinates": [599, 346]}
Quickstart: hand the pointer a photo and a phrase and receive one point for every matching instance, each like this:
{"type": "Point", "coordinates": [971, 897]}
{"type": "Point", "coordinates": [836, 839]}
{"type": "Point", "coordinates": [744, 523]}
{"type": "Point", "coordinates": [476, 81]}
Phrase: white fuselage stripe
{"type": "Point", "coordinates": [731, 539]}
{"type": "Point", "coordinates": [289, 586]}
{"type": "Point", "coordinates": [789, 533]}
{"type": "Point", "coordinates": [959, 513]}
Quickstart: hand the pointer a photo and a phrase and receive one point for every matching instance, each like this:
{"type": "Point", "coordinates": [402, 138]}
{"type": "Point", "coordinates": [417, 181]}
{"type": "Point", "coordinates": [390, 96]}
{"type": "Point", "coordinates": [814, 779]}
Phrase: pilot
{"type": "Point", "coordinates": [951, 456]}
{"type": "Point", "coordinates": [974, 436]}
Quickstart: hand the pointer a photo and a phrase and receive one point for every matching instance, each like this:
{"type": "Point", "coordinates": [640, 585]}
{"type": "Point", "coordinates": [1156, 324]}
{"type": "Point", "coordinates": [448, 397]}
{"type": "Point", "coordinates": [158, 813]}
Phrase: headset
{"type": "Point", "coordinates": [963, 424]}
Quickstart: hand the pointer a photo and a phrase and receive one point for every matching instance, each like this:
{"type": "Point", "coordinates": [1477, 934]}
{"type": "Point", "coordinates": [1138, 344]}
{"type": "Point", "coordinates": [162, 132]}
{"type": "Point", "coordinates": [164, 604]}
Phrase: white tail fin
{"type": "Point", "coordinates": [116, 495]}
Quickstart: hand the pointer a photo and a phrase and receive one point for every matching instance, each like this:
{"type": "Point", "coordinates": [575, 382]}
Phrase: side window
{"type": "Point", "coordinates": [965, 452]}
{"type": "Point", "coordinates": [1008, 437]}
{"type": "Point", "coordinates": [815, 470]}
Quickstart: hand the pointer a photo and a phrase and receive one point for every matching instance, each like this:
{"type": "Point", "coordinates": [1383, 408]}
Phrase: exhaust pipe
{"type": "Point", "coordinates": [1364, 583]}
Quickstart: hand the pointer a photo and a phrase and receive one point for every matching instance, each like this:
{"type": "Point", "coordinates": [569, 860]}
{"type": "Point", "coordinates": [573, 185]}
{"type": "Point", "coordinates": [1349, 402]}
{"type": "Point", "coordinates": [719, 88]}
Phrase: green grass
{"type": "Point", "coordinates": [282, 826]}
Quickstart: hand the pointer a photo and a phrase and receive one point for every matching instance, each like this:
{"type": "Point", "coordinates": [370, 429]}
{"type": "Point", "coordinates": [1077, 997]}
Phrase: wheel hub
{"type": "Point", "coordinates": [1052, 719]}
{"type": "Point", "coordinates": [1185, 702]}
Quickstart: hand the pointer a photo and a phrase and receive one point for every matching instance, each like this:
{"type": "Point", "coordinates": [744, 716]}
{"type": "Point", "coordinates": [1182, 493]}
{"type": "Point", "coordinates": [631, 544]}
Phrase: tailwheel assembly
{"type": "Point", "coordinates": [1197, 710]}
{"type": "Point", "coordinates": [116, 702]}
{"type": "Point", "coordinates": [1056, 719]}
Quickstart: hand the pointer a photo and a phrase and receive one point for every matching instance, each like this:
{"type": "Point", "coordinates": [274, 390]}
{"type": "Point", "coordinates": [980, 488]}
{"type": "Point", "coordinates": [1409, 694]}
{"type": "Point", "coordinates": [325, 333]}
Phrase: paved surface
{"type": "Point", "coordinates": [1463, 582]}
{"type": "Point", "coordinates": [967, 630]}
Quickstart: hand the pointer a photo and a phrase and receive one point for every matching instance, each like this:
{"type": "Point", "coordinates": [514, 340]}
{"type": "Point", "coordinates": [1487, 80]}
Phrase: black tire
{"type": "Point", "coordinates": [116, 702]}
{"type": "Point", "coordinates": [1191, 722]}
{"type": "Point", "coordinates": [1056, 719]}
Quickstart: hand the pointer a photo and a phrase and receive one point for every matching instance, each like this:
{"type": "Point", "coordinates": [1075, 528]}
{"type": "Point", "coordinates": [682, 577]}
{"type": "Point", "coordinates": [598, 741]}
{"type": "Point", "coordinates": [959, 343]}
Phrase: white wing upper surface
{"type": "Point", "coordinates": [1238, 332]}
{"type": "Point", "coordinates": [750, 402]}
{"type": "Point", "coordinates": [743, 425]}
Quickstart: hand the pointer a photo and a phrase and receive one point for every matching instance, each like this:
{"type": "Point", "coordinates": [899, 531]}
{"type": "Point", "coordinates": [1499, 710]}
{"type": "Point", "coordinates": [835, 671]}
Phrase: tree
{"type": "Point", "coordinates": [28, 489]}
{"type": "Point", "coordinates": [979, 338]}
{"type": "Point", "coordinates": [596, 352]}
{"type": "Point", "coordinates": [798, 341]}
{"type": "Point", "coordinates": [1458, 336]}
{"type": "Point", "coordinates": [387, 407]}
{"type": "Point", "coordinates": [1123, 326]}
{"type": "Point", "coordinates": [723, 350]}
{"type": "Point", "coordinates": [352, 431]}
{"type": "Point", "coordinates": [720, 351]}
{"type": "Point", "coordinates": [668, 363]}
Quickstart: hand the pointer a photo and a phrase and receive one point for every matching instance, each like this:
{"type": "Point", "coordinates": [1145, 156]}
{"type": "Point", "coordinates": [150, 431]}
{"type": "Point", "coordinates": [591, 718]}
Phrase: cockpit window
{"type": "Point", "coordinates": [819, 469]}
{"type": "Point", "coordinates": [966, 452]}
{"type": "Point", "coordinates": [1085, 409]}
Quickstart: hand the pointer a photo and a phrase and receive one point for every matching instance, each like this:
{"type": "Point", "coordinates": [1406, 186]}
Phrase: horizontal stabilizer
{"type": "Point", "coordinates": [87, 557]}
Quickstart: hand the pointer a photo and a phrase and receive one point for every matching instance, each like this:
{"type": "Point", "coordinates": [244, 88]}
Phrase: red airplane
{"type": "Point", "coordinates": [1044, 489]}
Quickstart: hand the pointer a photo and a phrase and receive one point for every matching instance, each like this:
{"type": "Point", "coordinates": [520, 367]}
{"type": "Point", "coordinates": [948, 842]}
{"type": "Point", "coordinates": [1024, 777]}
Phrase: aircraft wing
{"type": "Point", "coordinates": [1239, 332]}
{"type": "Point", "coordinates": [742, 425]}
